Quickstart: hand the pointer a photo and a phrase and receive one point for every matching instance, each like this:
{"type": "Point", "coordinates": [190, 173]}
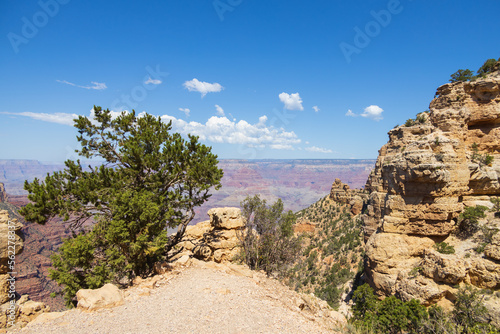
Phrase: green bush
{"type": "Point", "coordinates": [469, 312]}
{"type": "Point", "coordinates": [489, 66]}
{"type": "Point", "coordinates": [462, 75]}
{"type": "Point", "coordinates": [469, 219]}
{"type": "Point", "coordinates": [488, 159]}
{"type": "Point", "coordinates": [392, 315]}
{"type": "Point", "coordinates": [444, 248]}
{"type": "Point", "coordinates": [410, 122]}
{"type": "Point", "coordinates": [267, 240]}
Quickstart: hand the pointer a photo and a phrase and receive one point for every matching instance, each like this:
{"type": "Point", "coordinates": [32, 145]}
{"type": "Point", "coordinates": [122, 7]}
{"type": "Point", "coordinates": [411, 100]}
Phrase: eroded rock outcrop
{"type": "Point", "coordinates": [13, 310]}
{"type": "Point", "coordinates": [341, 193]}
{"type": "Point", "coordinates": [429, 171]}
{"type": "Point", "coordinates": [216, 239]}
{"type": "Point", "coordinates": [3, 193]}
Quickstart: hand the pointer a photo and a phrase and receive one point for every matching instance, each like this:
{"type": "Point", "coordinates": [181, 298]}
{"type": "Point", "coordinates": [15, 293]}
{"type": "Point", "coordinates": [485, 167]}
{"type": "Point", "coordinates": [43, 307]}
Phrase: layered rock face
{"type": "Point", "coordinates": [216, 239]}
{"type": "Point", "coordinates": [428, 172]}
{"type": "Point", "coordinates": [12, 308]}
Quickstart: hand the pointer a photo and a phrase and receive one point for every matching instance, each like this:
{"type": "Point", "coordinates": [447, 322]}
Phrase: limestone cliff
{"type": "Point", "coordinates": [429, 171]}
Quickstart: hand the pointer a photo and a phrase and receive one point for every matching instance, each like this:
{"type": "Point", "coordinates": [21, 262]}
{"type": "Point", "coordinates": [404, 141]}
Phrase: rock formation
{"type": "Point", "coordinates": [216, 239]}
{"type": "Point", "coordinates": [429, 171]}
{"type": "Point", "coordinates": [94, 299]}
{"type": "Point", "coordinates": [343, 194]}
{"type": "Point", "coordinates": [3, 193]}
{"type": "Point", "coordinates": [12, 308]}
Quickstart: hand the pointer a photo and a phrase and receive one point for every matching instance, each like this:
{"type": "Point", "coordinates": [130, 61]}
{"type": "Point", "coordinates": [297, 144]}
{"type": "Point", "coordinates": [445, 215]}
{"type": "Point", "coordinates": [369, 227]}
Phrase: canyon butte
{"type": "Point", "coordinates": [428, 173]}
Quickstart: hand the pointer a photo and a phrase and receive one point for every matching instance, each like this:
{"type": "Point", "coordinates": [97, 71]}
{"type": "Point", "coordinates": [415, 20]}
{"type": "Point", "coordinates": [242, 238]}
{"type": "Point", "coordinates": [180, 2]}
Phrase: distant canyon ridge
{"type": "Point", "coordinates": [299, 183]}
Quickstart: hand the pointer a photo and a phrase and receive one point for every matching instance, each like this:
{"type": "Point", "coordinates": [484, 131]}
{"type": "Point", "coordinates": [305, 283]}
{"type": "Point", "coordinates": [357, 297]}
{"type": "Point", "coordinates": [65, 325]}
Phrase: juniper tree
{"type": "Point", "coordinates": [267, 240]}
{"type": "Point", "coordinates": [150, 180]}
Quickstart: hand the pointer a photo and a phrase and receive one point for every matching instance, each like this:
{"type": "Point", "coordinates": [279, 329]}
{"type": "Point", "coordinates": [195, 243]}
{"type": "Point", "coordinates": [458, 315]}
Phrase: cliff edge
{"type": "Point", "coordinates": [430, 171]}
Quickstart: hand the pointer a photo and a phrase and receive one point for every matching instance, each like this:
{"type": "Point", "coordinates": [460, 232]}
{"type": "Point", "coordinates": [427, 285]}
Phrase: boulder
{"type": "Point", "coordinates": [226, 218]}
{"type": "Point", "coordinates": [493, 250]}
{"type": "Point", "coordinates": [446, 268]}
{"type": "Point", "coordinates": [107, 296]}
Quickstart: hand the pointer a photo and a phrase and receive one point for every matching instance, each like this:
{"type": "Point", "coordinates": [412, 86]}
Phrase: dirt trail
{"type": "Point", "coordinates": [203, 298]}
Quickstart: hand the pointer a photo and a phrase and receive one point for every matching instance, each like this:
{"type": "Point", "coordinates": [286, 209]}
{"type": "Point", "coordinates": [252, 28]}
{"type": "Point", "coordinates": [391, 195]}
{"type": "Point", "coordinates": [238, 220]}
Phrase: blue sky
{"type": "Point", "coordinates": [254, 79]}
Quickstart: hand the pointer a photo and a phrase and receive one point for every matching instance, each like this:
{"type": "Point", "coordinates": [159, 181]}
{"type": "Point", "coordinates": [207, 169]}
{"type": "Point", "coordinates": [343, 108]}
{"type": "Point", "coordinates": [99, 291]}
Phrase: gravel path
{"type": "Point", "coordinates": [198, 300]}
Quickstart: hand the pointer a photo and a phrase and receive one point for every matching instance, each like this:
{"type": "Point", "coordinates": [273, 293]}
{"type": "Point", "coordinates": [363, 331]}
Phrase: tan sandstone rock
{"type": "Point", "coordinates": [493, 250]}
{"type": "Point", "coordinates": [215, 240]}
{"type": "Point", "coordinates": [424, 177]}
{"type": "Point", "coordinates": [107, 296]}
{"type": "Point", "coordinates": [226, 218]}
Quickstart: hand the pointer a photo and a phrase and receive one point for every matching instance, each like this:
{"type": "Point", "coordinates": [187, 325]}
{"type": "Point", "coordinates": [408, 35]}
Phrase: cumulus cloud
{"type": "Point", "coordinates": [59, 118]}
{"type": "Point", "coordinates": [220, 111]}
{"type": "Point", "coordinates": [291, 101]}
{"type": "Point", "coordinates": [349, 113]}
{"type": "Point", "coordinates": [153, 81]}
{"type": "Point", "coordinates": [223, 130]}
{"type": "Point", "coordinates": [202, 87]}
{"type": "Point", "coordinates": [316, 109]}
{"type": "Point", "coordinates": [373, 112]}
{"type": "Point", "coordinates": [95, 85]}
{"type": "Point", "coordinates": [186, 111]}
{"type": "Point", "coordinates": [217, 129]}
{"type": "Point", "coordinates": [318, 149]}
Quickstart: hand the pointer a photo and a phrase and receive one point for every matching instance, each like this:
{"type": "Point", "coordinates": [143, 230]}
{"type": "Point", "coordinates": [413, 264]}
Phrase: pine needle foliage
{"type": "Point", "coordinates": [150, 180]}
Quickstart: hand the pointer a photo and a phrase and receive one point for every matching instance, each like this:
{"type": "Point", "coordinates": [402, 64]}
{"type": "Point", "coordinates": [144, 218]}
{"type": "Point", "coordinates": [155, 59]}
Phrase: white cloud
{"type": "Point", "coordinates": [185, 111]}
{"type": "Point", "coordinates": [373, 112]}
{"type": "Point", "coordinates": [220, 111]}
{"type": "Point", "coordinates": [223, 130]}
{"type": "Point", "coordinates": [291, 101]}
{"type": "Point", "coordinates": [349, 113]}
{"type": "Point", "coordinates": [215, 129]}
{"type": "Point", "coordinates": [318, 149]}
{"type": "Point", "coordinates": [316, 109]}
{"type": "Point", "coordinates": [202, 87]}
{"type": "Point", "coordinates": [95, 85]}
{"type": "Point", "coordinates": [59, 118]}
{"type": "Point", "coordinates": [153, 81]}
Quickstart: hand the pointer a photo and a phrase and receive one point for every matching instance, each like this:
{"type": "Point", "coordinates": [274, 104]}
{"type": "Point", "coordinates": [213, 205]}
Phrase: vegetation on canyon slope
{"type": "Point", "coordinates": [151, 180]}
{"type": "Point", "coordinates": [392, 315]}
{"type": "Point", "coordinates": [332, 255]}
{"type": "Point", "coordinates": [489, 66]}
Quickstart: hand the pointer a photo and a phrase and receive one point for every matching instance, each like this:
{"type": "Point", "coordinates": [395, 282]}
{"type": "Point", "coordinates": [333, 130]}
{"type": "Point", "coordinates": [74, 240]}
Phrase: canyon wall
{"type": "Point", "coordinates": [430, 170]}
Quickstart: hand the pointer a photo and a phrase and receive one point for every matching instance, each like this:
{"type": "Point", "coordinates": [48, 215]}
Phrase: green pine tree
{"type": "Point", "coordinates": [150, 180]}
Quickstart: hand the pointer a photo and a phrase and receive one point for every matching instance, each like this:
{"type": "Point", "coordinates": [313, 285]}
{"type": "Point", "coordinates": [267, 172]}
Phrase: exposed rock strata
{"type": "Point", "coordinates": [12, 308]}
{"type": "Point", "coordinates": [343, 194]}
{"type": "Point", "coordinates": [423, 179]}
{"type": "Point", "coordinates": [216, 239]}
